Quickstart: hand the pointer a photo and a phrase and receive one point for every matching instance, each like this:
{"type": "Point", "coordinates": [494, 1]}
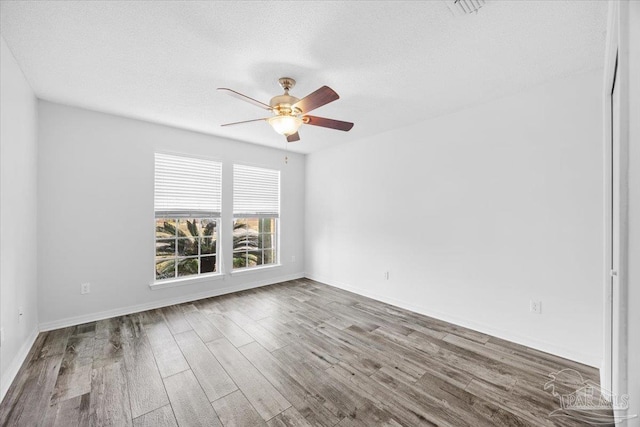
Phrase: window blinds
{"type": "Point", "coordinates": [187, 187]}
{"type": "Point", "coordinates": [256, 192]}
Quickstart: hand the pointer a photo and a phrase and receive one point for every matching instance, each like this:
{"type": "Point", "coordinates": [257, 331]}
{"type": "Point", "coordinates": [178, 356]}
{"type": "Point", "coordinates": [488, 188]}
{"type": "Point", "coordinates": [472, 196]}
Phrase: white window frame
{"type": "Point", "coordinates": [276, 245]}
{"type": "Point", "coordinates": [197, 208]}
{"type": "Point", "coordinates": [249, 209]}
{"type": "Point", "coordinates": [177, 258]}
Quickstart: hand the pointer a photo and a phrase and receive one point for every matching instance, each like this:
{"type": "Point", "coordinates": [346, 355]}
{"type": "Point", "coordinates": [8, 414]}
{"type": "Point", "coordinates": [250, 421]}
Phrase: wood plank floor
{"type": "Point", "coordinates": [298, 353]}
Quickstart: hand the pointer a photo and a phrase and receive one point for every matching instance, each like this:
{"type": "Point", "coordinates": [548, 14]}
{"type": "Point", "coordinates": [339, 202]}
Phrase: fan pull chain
{"type": "Point", "coordinates": [286, 151]}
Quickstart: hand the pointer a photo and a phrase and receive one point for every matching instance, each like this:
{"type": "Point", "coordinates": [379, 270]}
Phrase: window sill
{"type": "Point", "coordinates": [172, 283]}
{"type": "Point", "coordinates": [242, 271]}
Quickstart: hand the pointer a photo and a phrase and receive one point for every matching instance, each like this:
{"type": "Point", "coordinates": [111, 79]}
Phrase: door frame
{"type": "Point", "coordinates": [615, 65]}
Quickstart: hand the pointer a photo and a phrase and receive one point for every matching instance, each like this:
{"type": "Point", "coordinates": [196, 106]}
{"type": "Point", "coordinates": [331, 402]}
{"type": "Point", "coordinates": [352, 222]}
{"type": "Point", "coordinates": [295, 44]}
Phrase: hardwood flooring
{"type": "Point", "coordinates": [298, 353]}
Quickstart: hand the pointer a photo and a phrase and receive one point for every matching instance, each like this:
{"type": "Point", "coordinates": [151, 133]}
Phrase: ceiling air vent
{"type": "Point", "coordinates": [464, 7]}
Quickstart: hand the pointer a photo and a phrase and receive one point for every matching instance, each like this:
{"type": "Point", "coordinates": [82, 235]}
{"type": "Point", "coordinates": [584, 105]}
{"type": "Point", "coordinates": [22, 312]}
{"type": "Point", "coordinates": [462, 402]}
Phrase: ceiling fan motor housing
{"type": "Point", "coordinates": [282, 104]}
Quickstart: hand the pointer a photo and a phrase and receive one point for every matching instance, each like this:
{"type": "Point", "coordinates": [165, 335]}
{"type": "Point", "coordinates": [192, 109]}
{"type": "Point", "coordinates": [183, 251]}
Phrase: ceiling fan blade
{"type": "Point", "coordinates": [327, 123]}
{"type": "Point", "coordinates": [245, 98]}
{"type": "Point", "coordinates": [245, 121]}
{"type": "Point", "coordinates": [316, 99]}
{"type": "Point", "coordinates": [293, 137]}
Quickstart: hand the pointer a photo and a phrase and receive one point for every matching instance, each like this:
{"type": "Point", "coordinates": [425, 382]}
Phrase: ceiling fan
{"type": "Point", "coordinates": [290, 112]}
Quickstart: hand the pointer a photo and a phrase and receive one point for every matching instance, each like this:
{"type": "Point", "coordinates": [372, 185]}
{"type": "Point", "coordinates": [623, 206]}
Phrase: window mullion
{"type": "Point", "coordinates": [175, 260]}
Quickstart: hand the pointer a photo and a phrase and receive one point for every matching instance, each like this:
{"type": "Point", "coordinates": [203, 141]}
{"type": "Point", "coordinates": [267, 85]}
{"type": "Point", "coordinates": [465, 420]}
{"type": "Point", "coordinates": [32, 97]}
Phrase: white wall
{"type": "Point", "coordinates": [18, 208]}
{"type": "Point", "coordinates": [96, 219]}
{"type": "Point", "coordinates": [630, 14]}
{"type": "Point", "coordinates": [474, 214]}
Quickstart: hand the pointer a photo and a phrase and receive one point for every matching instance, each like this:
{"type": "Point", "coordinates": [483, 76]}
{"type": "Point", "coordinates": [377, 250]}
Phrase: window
{"type": "Point", "coordinates": [256, 211]}
{"type": "Point", "coordinates": [187, 210]}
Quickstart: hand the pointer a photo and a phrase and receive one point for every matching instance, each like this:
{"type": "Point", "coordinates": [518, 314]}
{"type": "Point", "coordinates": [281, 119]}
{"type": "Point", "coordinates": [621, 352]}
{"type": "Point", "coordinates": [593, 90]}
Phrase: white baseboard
{"type": "Point", "coordinates": [546, 347]}
{"type": "Point", "coordinates": [16, 363]}
{"type": "Point", "coordinates": [92, 317]}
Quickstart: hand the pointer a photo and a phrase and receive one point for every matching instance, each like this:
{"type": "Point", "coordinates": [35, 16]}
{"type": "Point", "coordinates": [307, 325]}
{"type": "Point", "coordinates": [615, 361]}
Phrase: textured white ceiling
{"type": "Point", "coordinates": [393, 63]}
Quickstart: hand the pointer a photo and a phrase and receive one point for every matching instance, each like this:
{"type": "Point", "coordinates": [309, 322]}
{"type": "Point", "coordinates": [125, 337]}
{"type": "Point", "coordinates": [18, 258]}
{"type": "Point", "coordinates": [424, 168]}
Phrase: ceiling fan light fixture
{"type": "Point", "coordinates": [285, 125]}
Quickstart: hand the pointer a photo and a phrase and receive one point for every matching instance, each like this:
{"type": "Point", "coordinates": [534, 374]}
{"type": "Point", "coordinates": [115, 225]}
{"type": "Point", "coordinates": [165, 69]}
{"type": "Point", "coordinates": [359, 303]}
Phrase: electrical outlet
{"type": "Point", "coordinates": [293, 258]}
{"type": "Point", "coordinates": [85, 288]}
{"type": "Point", "coordinates": [386, 275]}
{"type": "Point", "coordinates": [535, 307]}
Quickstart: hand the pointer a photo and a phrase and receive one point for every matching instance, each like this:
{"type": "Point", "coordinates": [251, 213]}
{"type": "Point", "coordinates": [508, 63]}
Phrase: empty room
{"type": "Point", "coordinates": [320, 213]}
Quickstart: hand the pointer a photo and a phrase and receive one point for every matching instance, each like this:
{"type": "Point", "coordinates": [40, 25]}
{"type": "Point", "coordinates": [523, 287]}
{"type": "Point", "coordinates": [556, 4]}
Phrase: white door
{"type": "Point", "coordinates": [616, 298]}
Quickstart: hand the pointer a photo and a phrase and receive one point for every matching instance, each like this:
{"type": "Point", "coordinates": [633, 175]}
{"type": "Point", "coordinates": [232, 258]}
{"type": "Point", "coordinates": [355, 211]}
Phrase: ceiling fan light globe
{"type": "Point", "coordinates": [285, 125]}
